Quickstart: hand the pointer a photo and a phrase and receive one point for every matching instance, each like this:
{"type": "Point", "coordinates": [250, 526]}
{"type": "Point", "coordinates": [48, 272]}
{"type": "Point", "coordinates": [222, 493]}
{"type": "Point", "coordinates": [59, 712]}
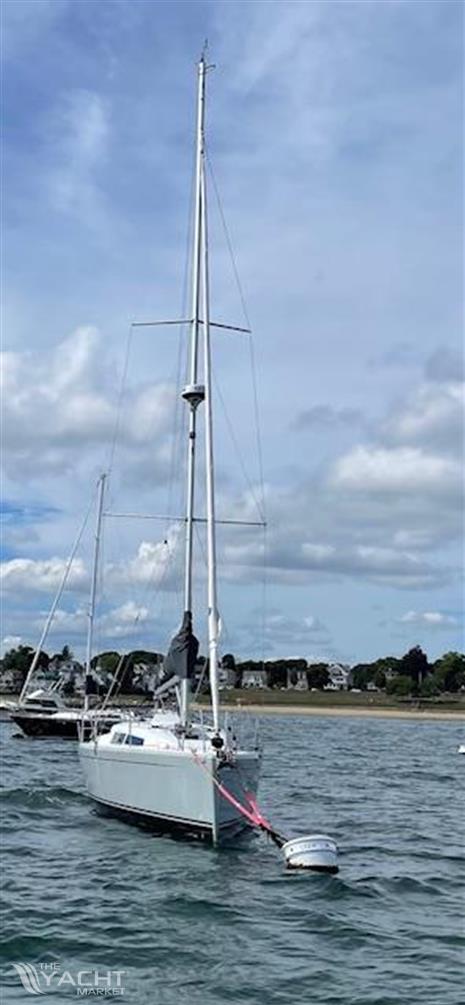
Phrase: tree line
{"type": "Point", "coordinates": [411, 674]}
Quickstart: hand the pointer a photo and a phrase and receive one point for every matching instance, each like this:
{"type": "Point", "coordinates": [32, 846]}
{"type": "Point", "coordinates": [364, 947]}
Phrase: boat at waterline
{"type": "Point", "coordinates": [172, 771]}
{"type": "Point", "coordinates": [43, 713]}
{"type": "Point", "coordinates": [153, 774]}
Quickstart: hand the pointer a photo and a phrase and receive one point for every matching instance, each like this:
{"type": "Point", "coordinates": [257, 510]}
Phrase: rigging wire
{"type": "Point", "coordinates": [237, 449]}
{"type": "Point", "coordinates": [175, 458]}
{"type": "Point", "coordinates": [52, 612]}
{"type": "Point", "coordinates": [247, 321]}
{"type": "Point", "coordinates": [261, 508]}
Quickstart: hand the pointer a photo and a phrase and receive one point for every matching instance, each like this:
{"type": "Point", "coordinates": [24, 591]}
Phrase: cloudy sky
{"type": "Point", "coordinates": [334, 132]}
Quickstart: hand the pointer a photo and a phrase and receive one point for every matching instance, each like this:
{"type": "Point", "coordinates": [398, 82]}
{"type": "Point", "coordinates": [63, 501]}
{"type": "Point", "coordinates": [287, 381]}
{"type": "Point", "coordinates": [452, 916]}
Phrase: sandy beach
{"type": "Point", "coordinates": [362, 713]}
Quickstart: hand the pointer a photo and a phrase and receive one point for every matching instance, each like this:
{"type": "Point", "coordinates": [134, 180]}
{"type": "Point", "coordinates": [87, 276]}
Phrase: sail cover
{"type": "Point", "coordinates": [182, 653]}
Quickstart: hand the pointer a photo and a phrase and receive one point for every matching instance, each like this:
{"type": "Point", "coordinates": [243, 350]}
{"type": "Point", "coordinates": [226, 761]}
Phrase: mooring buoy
{"type": "Point", "coordinates": [317, 852]}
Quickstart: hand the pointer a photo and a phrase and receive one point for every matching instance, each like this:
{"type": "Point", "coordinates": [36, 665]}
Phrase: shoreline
{"type": "Point", "coordinates": [355, 712]}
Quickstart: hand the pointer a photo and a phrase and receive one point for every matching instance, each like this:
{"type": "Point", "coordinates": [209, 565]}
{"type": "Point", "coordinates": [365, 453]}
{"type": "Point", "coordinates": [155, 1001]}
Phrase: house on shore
{"type": "Point", "coordinates": [340, 677]}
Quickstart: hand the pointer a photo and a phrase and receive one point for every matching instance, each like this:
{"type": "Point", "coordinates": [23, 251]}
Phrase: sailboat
{"type": "Point", "coordinates": [42, 712]}
{"type": "Point", "coordinates": [174, 771]}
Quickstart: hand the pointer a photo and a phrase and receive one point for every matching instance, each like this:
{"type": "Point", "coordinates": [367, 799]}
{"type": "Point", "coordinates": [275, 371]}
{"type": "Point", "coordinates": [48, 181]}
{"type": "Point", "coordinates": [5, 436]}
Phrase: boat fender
{"type": "Point", "coordinates": [217, 742]}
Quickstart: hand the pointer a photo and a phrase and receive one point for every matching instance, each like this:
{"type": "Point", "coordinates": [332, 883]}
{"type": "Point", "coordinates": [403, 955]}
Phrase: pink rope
{"type": "Point", "coordinates": [253, 815]}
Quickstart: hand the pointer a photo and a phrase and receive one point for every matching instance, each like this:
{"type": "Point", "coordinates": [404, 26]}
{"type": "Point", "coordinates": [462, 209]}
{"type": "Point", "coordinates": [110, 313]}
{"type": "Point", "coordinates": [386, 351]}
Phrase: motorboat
{"type": "Point", "coordinates": [43, 713]}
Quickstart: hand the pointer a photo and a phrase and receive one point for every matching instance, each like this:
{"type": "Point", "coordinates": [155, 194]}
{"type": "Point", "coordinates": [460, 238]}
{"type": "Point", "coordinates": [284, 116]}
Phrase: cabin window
{"type": "Point", "coordinates": [134, 741]}
{"type": "Point", "coordinates": [41, 703]}
{"type": "Point", "coordinates": [118, 738]}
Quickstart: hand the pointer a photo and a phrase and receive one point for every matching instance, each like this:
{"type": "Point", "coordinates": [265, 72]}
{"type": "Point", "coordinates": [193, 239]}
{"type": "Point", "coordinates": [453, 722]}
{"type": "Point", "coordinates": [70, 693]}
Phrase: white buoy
{"type": "Point", "coordinates": [312, 851]}
{"type": "Point", "coordinates": [461, 749]}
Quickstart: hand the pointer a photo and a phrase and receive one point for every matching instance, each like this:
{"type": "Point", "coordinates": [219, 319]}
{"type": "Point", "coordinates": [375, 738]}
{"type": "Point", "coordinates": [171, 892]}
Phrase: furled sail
{"type": "Point", "coordinates": [182, 653]}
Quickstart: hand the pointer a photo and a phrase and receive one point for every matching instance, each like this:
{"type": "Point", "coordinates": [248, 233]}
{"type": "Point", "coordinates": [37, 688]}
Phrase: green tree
{"type": "Point", "coordinates": [361, 674]}
{"type": "Point", "coordinates": [318, 676]}
{"type": "Point", "coordinates": [235, 670]}
{"type": "Point", "coordinates": [400, 686]}
{"type": "Point", "coordinates": [389, 664]}
{"type": "Point", "coordinates": [428, 688]}
{"type": "Point", "coordinates": [449, 672]}
{"type": "Point", "coordinates": [20, 659]}
{"type": "Point", "coordinates": [380, 680]}
{"type": "Point", "coordinates": [276, 673]}
{"type": "Point", "coordinates": [415, 665]}
{"type": "Point", "coordinates": [107, 661]}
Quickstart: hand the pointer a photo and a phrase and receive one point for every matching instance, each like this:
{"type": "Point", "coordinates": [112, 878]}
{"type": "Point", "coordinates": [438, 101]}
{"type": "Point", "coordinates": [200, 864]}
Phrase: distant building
{"type": "Point", "coordinates": [254, 678]}
{"type": "Point", "coordinates": [297, 680]}
{"type": "Point", "coordinates": [340, 677]}
{"type": "Point", "coordinates": [11, 681]}
{"type": "Point", "coordinates": [58, 665]}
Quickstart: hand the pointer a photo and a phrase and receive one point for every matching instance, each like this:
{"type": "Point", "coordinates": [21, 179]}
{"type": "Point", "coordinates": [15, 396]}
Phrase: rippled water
{"type": "Point", "coordinates": [191, 924]}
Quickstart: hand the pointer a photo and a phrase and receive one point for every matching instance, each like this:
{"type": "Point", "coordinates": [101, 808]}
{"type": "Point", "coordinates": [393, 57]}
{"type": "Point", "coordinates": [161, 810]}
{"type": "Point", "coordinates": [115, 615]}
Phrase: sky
{"type": "Point", "coordinates": [334, 133]}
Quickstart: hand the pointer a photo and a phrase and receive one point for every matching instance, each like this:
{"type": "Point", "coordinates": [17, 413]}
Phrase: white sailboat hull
{"type": "Point", "coordinates": [170, 790]}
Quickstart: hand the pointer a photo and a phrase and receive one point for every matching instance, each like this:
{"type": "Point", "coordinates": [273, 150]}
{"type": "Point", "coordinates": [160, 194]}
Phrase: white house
{"type": "Point", "coordinates": [339, 677]}
{"type": "Point", "coordinates": [254, 678]}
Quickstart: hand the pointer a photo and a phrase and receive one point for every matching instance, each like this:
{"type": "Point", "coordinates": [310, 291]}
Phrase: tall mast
{"type": "Point", "coordinates": [93, 585]}
{"type": "Point", "coordinates": [213, 620]}
{"type": "Point", "coordinates": [193, 393]}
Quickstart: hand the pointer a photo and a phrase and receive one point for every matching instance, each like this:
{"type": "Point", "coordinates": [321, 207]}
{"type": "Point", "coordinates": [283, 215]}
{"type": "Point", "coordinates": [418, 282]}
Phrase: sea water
{"type": "Point", "coordinates": [87, 898]}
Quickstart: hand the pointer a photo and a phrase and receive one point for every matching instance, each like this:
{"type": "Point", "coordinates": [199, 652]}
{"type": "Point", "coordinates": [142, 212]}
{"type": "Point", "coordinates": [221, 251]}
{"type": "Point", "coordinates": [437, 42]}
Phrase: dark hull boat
{"type": "Point", "coordinates": [66, 724]}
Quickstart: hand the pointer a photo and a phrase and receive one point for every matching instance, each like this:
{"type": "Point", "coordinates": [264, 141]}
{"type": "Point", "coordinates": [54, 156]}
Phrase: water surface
{"type": "Point", "coordinates": [189, 924]}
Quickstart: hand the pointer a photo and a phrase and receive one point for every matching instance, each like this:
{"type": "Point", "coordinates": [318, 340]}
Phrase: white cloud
{"type": "Point", "coordinates": [130, 613]}
{"type": "Point", "coordinates": [293, 636]}
{"type": "Point", "coordinates": [157, 563]}
{"type": "Point", "coordinates": [118, 622]}
{"type": "Point", "coordinates": [10, 642]}
{"type": "Point", "coordinates": [81, 127]}
{"type": "Point", "coordinates": [399, 470]}
{"type": "Point", "coordinates": [293, 560]}
{"type": "Point", "coordinates": [59, 408]}
{"type": "Point", "coordinates": [27, 575]}
{"type": "Point", "coordinates": [429, 619]}
{"type": "Point", "coordinates": [433, 415]}
{"type": "Point", "coordinates": [336, 152]}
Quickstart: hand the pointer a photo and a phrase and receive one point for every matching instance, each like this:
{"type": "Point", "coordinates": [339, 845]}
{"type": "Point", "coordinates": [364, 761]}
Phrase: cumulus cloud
{"type": "Point", "coordinates": [124, 621]}
{"type": "Point", "coordinates": [354, 171]}
{"type": "Point", "coordinates": [27, 575]}
{"type": "Point", "coordinates": [296, 560]}
{"type": "Point", "coordinates": [369, 470]}
{"type": "Point", "coordinates": [429, 619]}
{"type": "Point", "coordinates": [57, 410]}
{"type": "Point", "coordinates": [433, 416]}
{"type": "Point", "coordinates": [10, 642]}
{"type": "Point", "coordinates": [375, 511]}
{"type": "Point", "coordinates": [156, 563]}
{"type": "Point", "coordinates": [293, 636]}
{"type": "Point", "coordinates": [118, 622]}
